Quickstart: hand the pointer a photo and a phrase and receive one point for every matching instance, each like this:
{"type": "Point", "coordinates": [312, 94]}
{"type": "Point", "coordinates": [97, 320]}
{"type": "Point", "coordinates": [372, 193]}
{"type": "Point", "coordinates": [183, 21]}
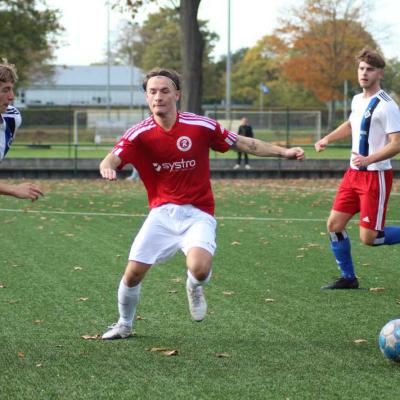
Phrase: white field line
{"type": "Point", "coordinates": [123, 215]}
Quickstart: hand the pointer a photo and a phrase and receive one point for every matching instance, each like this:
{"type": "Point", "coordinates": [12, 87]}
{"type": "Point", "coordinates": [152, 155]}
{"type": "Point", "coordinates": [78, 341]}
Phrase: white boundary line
{"type": "Point", "coordinates": [222, 218]}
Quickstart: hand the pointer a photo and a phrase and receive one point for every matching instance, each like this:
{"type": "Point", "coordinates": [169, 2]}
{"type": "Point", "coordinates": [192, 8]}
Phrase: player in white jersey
{"type": "Point", "coordinates": [10, 120]}
{"type": "Point", "coordinates": [170, 150]}
{"type": "Point", "coordinates": [374, 125]}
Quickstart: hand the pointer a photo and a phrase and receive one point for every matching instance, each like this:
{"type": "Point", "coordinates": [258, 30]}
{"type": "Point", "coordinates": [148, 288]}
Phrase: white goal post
{"type": "Point", "coordinates": [104, 126]}
{"type": "Point", "coordinates": [283, 126]}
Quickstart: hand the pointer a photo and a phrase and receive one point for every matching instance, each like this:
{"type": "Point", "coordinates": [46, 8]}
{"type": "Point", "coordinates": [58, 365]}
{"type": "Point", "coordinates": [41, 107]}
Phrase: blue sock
{"type": "Point", "coordinates": [341, 248]}
{"type": "Point", "coordinates": [390, 235]}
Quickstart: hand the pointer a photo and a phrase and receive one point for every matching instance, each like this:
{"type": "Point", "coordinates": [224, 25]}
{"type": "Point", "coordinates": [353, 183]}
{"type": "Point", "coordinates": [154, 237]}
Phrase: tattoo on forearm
{"type": "Point", "coordinates": [253, 146]}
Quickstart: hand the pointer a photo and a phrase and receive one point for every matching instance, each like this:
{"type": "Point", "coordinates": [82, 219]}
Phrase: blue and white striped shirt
{"type": "Point", "coordinates": [11, 120]}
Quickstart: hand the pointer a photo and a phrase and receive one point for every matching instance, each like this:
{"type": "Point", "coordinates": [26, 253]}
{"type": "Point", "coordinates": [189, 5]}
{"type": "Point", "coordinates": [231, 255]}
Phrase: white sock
{"type": "Point", "coordinates": [128, 299]}
{"type": "Point", "coordinates": [193, 283]}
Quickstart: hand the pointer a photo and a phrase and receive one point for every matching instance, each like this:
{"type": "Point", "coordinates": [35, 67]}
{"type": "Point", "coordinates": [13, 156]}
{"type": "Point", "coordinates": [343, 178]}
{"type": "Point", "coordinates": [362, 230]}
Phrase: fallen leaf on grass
{"type": "Point", "coordinates": [300, 256]}
{"type": "Point", "coordinates": [172, 291]}
{"type": "Point", "coordinates": [269, 300]}
{"type": "Point", "coordinates": [83, 298]}
{"type": "Point", "coordinates": [235, 243]}
{"type": "Point", "coordinates": [360, 341]}
{"type": "Point", "coordinates": [377, 289]}
{"type": "Point", "coordinates": [2, 286]}
{"type": "Point", "coordinates": [222, 355]}
{"type": "Point", "coordinates": [139, 318]}
{"type": "Point", "coordinates": [38, 321]}
{"type": "Point", "coordinates": [21, 355]}
{"type": "Point", "coordinates": [91, 337]}
{"type": "Point", "coordinates": [13, 302]}
{"type": "Point", "coordinates": [163, 350]}
{"type": "Point", "coordinates": [177, 280]}
{"type": "Point", "coordinates": [77, 268]}
{"type": "Point", "coordinates": [228, 293]}
{"type": "Point", "coordinates": [39, 365]}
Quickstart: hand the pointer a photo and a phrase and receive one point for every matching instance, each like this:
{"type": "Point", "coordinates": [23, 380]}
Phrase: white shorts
{"type": "Point", "coordinates": [170, 228]}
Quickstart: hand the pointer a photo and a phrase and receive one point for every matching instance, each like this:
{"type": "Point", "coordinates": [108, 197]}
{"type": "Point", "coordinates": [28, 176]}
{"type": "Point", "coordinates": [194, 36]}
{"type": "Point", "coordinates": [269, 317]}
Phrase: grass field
{"type": "Point", "coordinates": [93, 151]}
{"type": "Point", "coordinates": [271, 332]}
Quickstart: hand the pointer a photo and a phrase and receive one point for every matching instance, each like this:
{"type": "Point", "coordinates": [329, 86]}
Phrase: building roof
{"type": "Point", "coordinates": [92, 75]}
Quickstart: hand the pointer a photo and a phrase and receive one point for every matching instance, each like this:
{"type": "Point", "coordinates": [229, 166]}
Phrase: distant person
{"type": "Point", "coordinates": [10, 120]}
{"type": "Point", "coordinates": [134, 176]}
{"type": "Point", "coordinates": [246, 130]}
{"type": "Point", "coordinates": [170, 150]}
{"type": "Point", "coordinates": [374, 125]}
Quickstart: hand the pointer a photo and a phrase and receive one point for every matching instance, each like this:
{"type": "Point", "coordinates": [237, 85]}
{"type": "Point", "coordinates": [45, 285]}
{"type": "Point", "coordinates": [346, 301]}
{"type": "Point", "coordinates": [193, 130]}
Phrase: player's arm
{"type": "Point", "coordinates": [263, 149]}
{"type": "Point", "coordinates": [21, 191]}
{"type": "Point", "coordinates": [108, 167]}
{"type": "Point", "coordinates": [341, 132]}
{"type": "Point", "coordinates": [388, 151]}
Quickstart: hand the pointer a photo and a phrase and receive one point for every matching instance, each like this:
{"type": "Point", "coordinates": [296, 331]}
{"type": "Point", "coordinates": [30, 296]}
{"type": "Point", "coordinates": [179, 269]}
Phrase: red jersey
{"type": "Point", "coordinates": [174, 165]}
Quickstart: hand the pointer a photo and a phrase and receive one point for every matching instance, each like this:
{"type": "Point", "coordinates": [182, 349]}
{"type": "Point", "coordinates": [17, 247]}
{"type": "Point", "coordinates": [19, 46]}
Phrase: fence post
{"type": "Point", "coordinates": [76, 145]}
{"type": "Point", "coordinates": [287, 126]}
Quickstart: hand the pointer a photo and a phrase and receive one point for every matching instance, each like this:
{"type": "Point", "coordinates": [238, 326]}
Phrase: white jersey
{"type": "Point", "coordinates": [11, 120]}
{"type": "Point", "coordinates": [372, 120]}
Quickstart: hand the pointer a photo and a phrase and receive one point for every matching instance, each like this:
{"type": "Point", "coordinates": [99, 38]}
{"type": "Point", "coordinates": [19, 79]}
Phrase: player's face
{"type": "Point", "coordinates": [369, 76]}
{"type": "Point", "coordinates": [161, 96]}
{"type": "Point", "coordinates": [6, 95]}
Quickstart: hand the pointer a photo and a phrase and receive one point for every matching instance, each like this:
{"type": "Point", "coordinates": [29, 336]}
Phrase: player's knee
{"type": "Point", "coordinates": [200, 271]}
{"type": "Point", "coordinates": [334, 226]}
{"type": "Point", "coordinates": [367, 239]}
{"type": "Point", "coordinates": [134, 274]}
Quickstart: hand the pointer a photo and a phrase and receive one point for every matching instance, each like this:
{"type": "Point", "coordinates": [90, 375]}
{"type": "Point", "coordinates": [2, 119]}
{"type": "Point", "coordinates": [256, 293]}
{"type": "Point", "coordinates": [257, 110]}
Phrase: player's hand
{"type": "Point", "coordinates": [294, 153]}
{"type": "Point", "coordinates": [321, 145]}
{"type": "Point", "coordinates": [359, 161]}
{"type": "Point", "coordinates": [27, 191]}
{"type": "Point", "coordinates": [109, 174]}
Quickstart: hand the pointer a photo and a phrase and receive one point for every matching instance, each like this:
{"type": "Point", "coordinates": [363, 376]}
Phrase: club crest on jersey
{"type": "Point", "coordinates": [184, 143]}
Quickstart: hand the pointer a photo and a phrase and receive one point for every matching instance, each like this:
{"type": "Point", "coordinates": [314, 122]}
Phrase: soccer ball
{"type": "Point", "coordinates": [389, 340]}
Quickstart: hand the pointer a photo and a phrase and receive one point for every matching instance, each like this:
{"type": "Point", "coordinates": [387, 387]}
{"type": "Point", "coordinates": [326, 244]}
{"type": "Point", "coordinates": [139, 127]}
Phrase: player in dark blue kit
{"type": "Point", "coordinates": [10, 120]}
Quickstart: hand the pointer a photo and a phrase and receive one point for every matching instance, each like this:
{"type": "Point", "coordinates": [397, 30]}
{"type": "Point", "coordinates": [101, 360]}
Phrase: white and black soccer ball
{"type": "Point", "coordinates": [389, 340]}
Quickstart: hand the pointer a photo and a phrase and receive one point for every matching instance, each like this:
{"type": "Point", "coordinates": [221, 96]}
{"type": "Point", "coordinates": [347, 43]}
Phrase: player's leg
{"type": "Point", "coordinates": [341, 249]}
{"type": "Point", "coordinates": [199, 246]}
{"type": "Point", "coordinates": [373, 214]}
{"type": "Point", "coordinates": [128, 300]}
{"type": "Point", "coordinates": [154, 243]}
{"type": "Point", "coordinates": [199, 263]}
{"type": "Point", "coordinates": [345, 205]}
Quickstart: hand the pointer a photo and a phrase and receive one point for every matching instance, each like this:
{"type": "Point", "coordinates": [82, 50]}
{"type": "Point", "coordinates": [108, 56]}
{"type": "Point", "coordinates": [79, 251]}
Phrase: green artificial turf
{"type": "Point", "coordinates": [270, 332]}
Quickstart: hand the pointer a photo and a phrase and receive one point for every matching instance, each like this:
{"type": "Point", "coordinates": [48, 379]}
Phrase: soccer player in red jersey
{"type": "Point", "coordinates": [374, 125]}
{"type": "Point", "coordinates": [170, 151]}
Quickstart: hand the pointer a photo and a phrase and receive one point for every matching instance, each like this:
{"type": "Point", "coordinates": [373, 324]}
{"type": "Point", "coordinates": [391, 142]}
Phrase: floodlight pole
{"type": "Point", "coordinates": [108, 62]}
{"type": "Point", "coordinates": [228, 71]}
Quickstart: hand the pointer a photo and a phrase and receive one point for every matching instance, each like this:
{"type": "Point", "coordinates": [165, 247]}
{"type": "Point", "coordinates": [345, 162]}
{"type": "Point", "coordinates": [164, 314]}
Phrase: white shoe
{"type": "Point", "coordinates": [237, 166]}
{"type": "Point", "coordinates": [197, 303]}
{"type": "Point", "coordinates": [247, 166]}
{"type": "Point", "coordinates": [117, 331]}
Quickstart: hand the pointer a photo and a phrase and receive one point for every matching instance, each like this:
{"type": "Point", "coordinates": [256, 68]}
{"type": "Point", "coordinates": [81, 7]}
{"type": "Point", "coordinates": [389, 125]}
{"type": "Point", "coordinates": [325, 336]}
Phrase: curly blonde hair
{"type": "Point", "coordinates": [8, 72]}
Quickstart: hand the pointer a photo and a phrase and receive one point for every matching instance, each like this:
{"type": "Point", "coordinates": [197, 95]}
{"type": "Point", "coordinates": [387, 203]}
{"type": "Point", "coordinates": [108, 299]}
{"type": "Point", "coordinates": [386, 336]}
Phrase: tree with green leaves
{"type": "Point", "coordinates": [192, 47]}
{"type": "Point", "coordinates": [28, 31]}
{"type": "Point", "coordinates": [262, 64]}
{"type": "Point", "coordinates": [156, 43]}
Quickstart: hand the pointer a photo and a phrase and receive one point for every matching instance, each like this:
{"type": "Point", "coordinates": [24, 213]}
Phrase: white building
{"type": "Point", "coordinates": [87, 86]}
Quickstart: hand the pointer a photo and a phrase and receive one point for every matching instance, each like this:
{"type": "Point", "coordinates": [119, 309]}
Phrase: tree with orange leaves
{"type": "Point", "coordinates": [321, 39]}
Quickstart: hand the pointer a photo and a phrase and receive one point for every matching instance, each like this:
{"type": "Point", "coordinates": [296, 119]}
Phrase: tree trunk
{"type": "Point", "coordinates": [192, 47]}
